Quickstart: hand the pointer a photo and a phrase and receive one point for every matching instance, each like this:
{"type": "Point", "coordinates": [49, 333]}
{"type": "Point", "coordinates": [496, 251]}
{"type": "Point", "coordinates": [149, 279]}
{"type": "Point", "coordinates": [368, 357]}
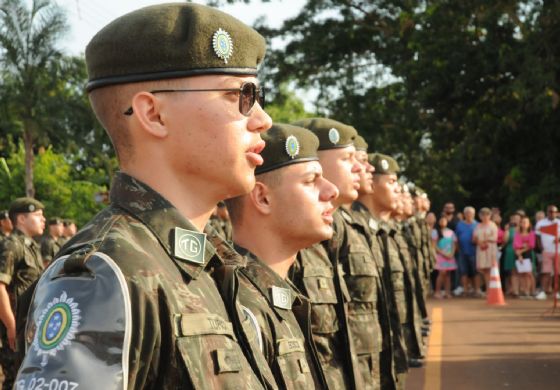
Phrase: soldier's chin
{"type": "Point", "coordinates": [242, 186]}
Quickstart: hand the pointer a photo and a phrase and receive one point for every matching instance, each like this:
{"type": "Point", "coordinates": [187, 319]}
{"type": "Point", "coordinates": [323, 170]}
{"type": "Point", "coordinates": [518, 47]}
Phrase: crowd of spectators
{"type": "Point", "coordinates": [467, 247]}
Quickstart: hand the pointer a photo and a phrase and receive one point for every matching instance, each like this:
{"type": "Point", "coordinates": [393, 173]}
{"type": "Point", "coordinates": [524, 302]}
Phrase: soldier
{"type": "Point", "coordinates": [20, 266]}
{"type": "Point", "coordinates": [6, 226]}
{"type": "Point", "coordinates": [362, 273]}
{"type": "Point", "coordinates": [68, 231]}
{"type": "Point", "coordinates": [411, 325]}
{"type": "Point", "coordinates": [289, 209]}
{"type": "Point", "coordinates": [318, 272]}
{"type": "Point", "coordinates": [50, 243]}
{"type": "Point", "coordinates": [381, 204]}
{"type": "Point", "coordinates": [139, 299]}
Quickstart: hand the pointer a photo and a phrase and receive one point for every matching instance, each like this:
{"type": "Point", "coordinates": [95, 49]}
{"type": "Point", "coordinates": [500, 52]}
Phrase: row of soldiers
{"type": "Point", "coordinates": [25, 250]}
{"type": "Point", "coordinates": [367, 284]}
{"type": "Point", "coordinates": [324, 283]}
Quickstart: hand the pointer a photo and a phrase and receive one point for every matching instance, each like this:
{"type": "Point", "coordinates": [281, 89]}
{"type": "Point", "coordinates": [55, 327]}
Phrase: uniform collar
{"type": "Point", "coordinates": [160, 217]}
{"type": "Point", "coordinates": [26, 240]}
{"type": "Point", "coordinates": [264, 279]}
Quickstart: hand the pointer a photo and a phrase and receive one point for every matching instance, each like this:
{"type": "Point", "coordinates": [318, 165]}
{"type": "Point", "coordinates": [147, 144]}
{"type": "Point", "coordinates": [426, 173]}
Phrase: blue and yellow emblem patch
{"type": "Point", "coordinates": [222, 44]}
{"type": "Point", "coordinates": [57, 326]}
{"type": "Point", "coordinates": [292, 146]}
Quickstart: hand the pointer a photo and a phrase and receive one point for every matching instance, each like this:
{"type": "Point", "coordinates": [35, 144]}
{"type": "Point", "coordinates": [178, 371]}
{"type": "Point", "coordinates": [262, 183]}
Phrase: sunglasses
{"type": "Point", "coordinates": [249, 93]}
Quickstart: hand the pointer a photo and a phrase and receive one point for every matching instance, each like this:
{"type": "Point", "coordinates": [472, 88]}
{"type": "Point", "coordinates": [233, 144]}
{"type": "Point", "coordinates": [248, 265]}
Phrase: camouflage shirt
{"type": "Point", "coordinates": [223, 227]}
{"type": "Point", "coordinates": [49, 248]}
{"type": "Point", "coordinates": [282, 316]}
{"type": "Point", "coordinates": [136, 301]}
{"type": "Point", "coordinates": [318, 274]}
{"type": "Point", "coordinates": [20, 263]}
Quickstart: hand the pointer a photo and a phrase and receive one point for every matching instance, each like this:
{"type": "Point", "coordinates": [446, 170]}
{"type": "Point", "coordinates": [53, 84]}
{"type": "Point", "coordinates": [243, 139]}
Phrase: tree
{"type": "Point", "coordinates": [28, 54]}
{"type": "Point", "coordinates": [61, 193]}
{"type": "Point", "coordinates": [464, 93]}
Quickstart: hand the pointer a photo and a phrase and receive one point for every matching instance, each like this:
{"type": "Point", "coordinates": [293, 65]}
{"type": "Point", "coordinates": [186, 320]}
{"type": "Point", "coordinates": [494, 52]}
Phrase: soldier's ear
{"type": "Point", "coordinates": [260, 196]}
{"type": "Point", "coordinates": [147, 112]}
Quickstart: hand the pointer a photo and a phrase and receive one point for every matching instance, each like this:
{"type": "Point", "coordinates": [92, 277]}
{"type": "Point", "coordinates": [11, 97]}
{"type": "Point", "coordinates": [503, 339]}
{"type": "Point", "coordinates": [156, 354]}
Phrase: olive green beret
{"type": "Point", "coordinates": [331, 134]}
{"type": "Point", "coordinates": [55, 221]}
{"type": "Point", "coordinates": [170, 41]}
{"type": "Point", "coordinates": [25, 205]}
{"type": "Point", "coordinates": [383, 164]}
{"type": "Point", "coordinates": [4, 214]}
{"type": "Point", "coordinates": [285, 145]}
{"type": "Point", "coordinates": [360, 143]}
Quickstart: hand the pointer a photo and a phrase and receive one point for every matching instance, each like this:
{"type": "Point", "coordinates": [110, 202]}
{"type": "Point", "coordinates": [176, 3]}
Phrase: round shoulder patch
{"type": "Point", "coordinates": [222, 44]}
{"type": "Point", "coordinates": [334, 136]}
{"type": "Point", "coordinates": [292, 146]}
{"type": "Point", "coordinates": [57, 326]}
{"type": "Point", "coordinates": [384, 165]}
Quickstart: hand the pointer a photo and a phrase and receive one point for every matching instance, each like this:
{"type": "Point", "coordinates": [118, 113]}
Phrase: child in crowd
{"type": "Point", "coordinates": [485, 236]}
{"type": "Point", "coordinates": [446, 245]}
{"type": "Point", "coordinates": [524, 244]}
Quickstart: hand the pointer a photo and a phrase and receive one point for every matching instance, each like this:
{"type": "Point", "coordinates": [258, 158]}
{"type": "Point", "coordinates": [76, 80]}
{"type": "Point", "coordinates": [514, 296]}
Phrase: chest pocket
{"type": "Point", "coordinates": [293, 365]}
{"type": "Point", "coordinates": [362, 275]}
{"type": "Point", "coordinates": [210, 352]}
{"type": "Point", "coordinates": [319, 285]}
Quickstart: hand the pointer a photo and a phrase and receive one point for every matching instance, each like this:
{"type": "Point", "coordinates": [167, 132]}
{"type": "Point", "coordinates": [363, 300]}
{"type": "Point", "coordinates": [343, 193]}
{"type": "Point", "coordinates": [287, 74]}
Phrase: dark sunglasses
{"type": "Point", "coordinates": [249, 93]}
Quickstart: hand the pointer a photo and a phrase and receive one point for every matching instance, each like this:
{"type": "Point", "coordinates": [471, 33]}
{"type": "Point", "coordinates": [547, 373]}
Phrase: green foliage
{"type": "Point", "coordinates": [55, 187]}
{"type": "Point", "coordinates": [286, 107]}
{"type": "Point", "coordinates": [464, 93]}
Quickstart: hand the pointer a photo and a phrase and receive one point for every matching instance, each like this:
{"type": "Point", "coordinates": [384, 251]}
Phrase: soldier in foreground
{"type": "Point", "coordinates": [138, 299]}
{"type": "Point", "coordinates": [20, 266]}
{"type": "Point", "coordinates": [318, 271]}
{"type": "Point", "coordinates": [289, 209]}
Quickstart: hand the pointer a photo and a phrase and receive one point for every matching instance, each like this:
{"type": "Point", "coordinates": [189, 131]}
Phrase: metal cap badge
{"type": "Point", "coordinates": [222, 44]}
{"type": "Point", "coordinates": [292, 146]}
{"type": "Point", "coordinates": [334, 136]}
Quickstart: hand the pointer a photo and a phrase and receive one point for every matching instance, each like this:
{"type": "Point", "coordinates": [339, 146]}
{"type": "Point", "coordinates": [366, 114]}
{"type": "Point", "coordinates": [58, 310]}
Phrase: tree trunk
{"type": "Point", "coordinates": [28, 147]}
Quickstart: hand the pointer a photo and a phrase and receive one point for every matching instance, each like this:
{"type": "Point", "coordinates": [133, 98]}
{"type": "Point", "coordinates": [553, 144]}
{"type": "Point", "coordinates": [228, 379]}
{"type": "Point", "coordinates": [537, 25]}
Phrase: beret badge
{"type": "Point", "coordinates": [222, 44]}
{"type": "Point", "coordinates": [334, 136]}
{"type": "Point", "coordinates": [384, 165]}
{"type": "Point", "coordinates": [31, 208]}
{"type": "Point", "coordinates": [292, 146]}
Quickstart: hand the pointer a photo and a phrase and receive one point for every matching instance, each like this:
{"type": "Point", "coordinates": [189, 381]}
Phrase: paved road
{"type": "Point", "coordinates": [479, 347]}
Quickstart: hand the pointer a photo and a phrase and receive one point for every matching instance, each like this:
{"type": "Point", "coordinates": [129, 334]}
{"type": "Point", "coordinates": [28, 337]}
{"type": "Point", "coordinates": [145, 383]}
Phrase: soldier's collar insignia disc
{"type": "Point", "coordinates": [334, 136]}
{"type": "Point", "coordinates": [373, 224]}
{"type": "Point", "coordinates": [384, 164]}
{"type": "Point", "coordinates": [189, 245]}
{"type": "Point", "coordinates": [57, 327]}
{"type": "Point", "coordinates": [222, 44]}
{"type": "Point", "coordinates": [282, 297]}
{"type": "Point", "coordinates": [292, 146]}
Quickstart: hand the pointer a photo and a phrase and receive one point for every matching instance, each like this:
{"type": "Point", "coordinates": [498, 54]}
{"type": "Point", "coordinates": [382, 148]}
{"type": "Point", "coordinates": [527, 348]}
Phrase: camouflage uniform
{"type": "Point", "coordinates": [150, 303]}
{"type": "Point", "coordinates": [366, 308]}
{"type": "Point", "coordinates": [20, 266]}
{"type": "Point", "coordinates": [415, 251]}
{"type": "Point", "coordinates": [411, 325]}
{"type": "Point", "coordinates": [222, 227]}
{"type": "Point", "coordinates": [283, 317]}
{"type": "Point", "coordinates": [49, 248]}
{"type": "Point", "coordinates": [317, 274]}
{"type": "Point", "coordinates": [394, 279]}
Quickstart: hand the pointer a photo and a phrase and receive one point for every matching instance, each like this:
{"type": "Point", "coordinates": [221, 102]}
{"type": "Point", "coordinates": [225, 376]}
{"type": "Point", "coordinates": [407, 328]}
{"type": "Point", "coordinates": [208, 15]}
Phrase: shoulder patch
{"type": "Point", "coordinates": [85, 314]}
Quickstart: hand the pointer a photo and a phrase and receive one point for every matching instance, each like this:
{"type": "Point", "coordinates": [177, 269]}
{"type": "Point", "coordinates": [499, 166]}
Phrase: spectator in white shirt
{"type": "Point", "coordinates": [548, 245]}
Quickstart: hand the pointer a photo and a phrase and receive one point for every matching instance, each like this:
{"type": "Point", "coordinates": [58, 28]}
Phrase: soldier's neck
{"type": "Point", "coordinates": [378, 212]}
{"type": "Point", "coordinates": [267, 246]}
{"type": "Point", "coordinates": [192, 197]}
{"type": "Point", "coordinates": [367, 201]}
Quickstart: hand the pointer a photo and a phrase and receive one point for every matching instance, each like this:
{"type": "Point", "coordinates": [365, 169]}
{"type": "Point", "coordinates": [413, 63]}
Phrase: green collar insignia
{"type": "Point", "coordinates": [282, 297]}
{"type": "Point", "coordinates": [292, 146]}
{"type": "Point", "coordinates": [189, 245]}
{"type": "Point", "coordinates": [222, 44]}
{"type": "Point", "coordinates": [334, 136]}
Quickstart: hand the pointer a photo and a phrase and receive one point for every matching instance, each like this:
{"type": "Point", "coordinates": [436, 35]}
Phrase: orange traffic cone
{"type": "Point", "coordinates": [494, 294]}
